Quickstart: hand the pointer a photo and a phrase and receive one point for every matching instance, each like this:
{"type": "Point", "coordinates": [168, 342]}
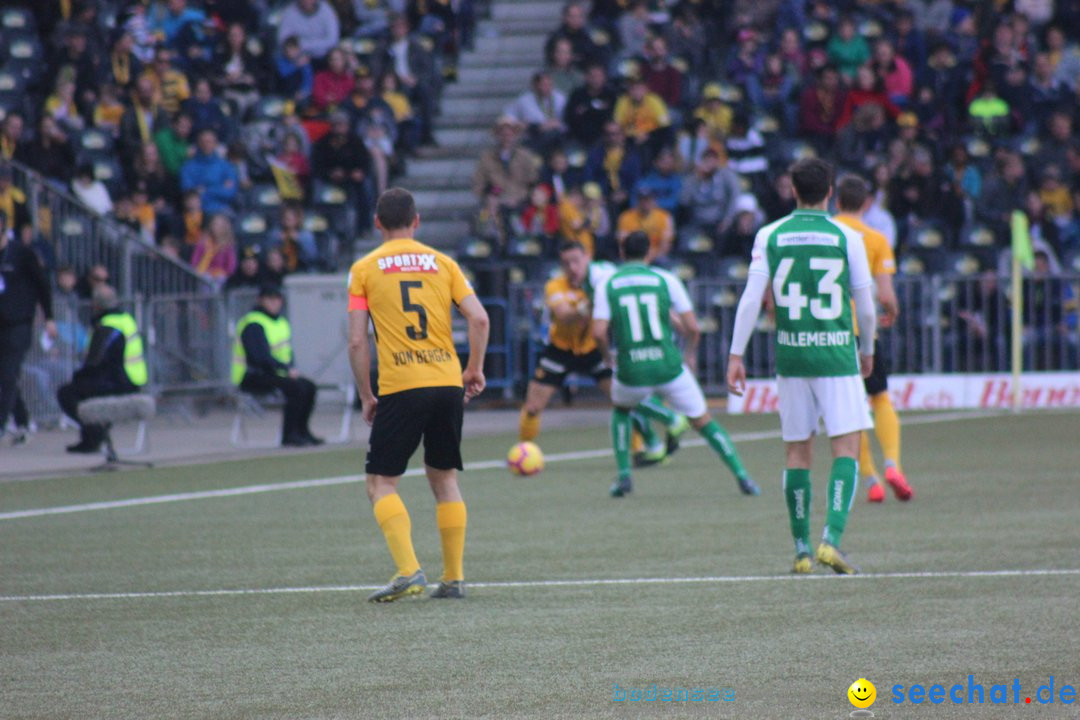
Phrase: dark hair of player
{"type": "Point", "coordinates": [571, 245]}
{"type": "Point", "coordinates": [812, 178]}
{"type": "Point", "coordinates": [851, 193]}
{"type": "Point", "coordinates": [396, 209]}
{"type": "Point", "coordinates": [635, 246]}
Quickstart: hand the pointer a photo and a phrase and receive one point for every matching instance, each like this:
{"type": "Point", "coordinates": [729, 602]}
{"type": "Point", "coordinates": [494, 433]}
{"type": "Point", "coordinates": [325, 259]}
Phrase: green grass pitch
{"type": "Point", "coordinates": [993, 493]}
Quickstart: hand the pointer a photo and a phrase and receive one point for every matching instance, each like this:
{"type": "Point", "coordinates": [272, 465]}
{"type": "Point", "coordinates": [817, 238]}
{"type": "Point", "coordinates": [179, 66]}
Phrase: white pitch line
{"type": "Point", "coordinates": [588, 582]}
{"type": "Point", "coordinates": [347, 479]}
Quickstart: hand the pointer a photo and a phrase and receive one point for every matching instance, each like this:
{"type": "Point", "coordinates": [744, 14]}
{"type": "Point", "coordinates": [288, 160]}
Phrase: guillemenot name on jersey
{"type": "Point", "coordinates": [409, 263]}
{"type": "Point", "coordinates": [823, 338]}
{"type": "Point", "coordinates": [793, 239]}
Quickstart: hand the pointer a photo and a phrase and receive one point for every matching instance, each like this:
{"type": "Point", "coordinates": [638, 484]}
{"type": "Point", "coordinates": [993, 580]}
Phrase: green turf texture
{"type": "Point", "coordinates": [992, 494]}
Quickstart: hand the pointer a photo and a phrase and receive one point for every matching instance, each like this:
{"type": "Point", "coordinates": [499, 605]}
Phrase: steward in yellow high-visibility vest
{"type": "Point", "coordinates": [263, 362]}
{"type": "Point", "coordinates": [114, 365]}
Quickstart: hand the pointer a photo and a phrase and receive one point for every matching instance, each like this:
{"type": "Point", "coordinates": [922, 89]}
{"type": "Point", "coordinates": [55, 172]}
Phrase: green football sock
{"type": "Point", "coordinates": [643, 426]}
{"type": "Point", "coordinates": [653, 409]}
{"type": "Point", "coordinates": [840, 493]}
{"type": "Point", "coordinates": [620, 440]}
{"type": "Point", "coordinates": [719, 441]}
{"type": "Point", "coordinates": [797, 494]}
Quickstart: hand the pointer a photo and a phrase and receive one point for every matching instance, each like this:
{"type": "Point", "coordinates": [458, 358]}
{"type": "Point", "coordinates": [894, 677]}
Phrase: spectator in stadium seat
{"type": "Point", "coordinates": [408, 128]}
{"type": "Point", "coordinates": [847, 49]}
{"type": "Point", "coordinates": [779, 199]}
{"type": "Point", "coordinates": [61, 107]}
{"type": "Point", "coordinates": [293, 76]}
{"type": "Point", "coordinates": [297, 244]}
{"type": "Point", "coordinates": [141, 121]}
{"type": "Point", "coordinates": [1056, 144]}
{"type": "Point", "coordinates": [862, 140]}
{"type": "Point", "coordinates": [173, 141]}
{"type": "Point", "coordinates": [50, 152]}
{"type": "Point", "coordinates": [539, 218]}
{"type": "Point", "coordinates": [661, 76]}
{"type": "Point", "coordinates": [893, 72]}
{"type": "Point", "coordinates": [108, 111]}
{"type": "Point", "coordinates": [687, 39]}
{"type": "Point", "coordinates": [11, 136]}
{"type": "Point", "coordinates": [709, 196]}
{"type": "Point", "coordinates": [643, 116]}
{"type": "Point", "coordinates": [591, 106]}
{"type": "Point", "coordinates": [614, 166]}
{"type": "Point", "coordinates": [334, 85]}
{"type": "Point", "coordinates": [507, 167]}
{"type": "Point", "coordinates": [583, 218]}
{"type": "Point", "coordinates": [242, 73]}
{"type": "Point", "coordinates": [633, 26]}
{"type": "Point", "coordinates": [747, 59]}
{"type": "Point", "coordinates": [771, 92]}
{"type": "Point", "coordinates": [76, 60]}
{"type": "Point", "coordinates": [1003, 192]}
{"type": "Point", "coordinates": [664, 181]}
{"type": "Point", "coordinates": [170, 85]}
{"type": "Point", "coordinates": [211, 174]}
{"type": "Point", "coordinates": [564, 74]}
{"type": "Point", "coordinates": [820, 106]}
{"type": "Point", "coordinates": [746, 152]}
{"type": "Point", "coordinates": [867, 89]}
{"type": "Point", "coordinates": [91, 191]}
{"type": "Point", "coordinates": [1047, 93]}
{"type": "Point", "coordinates": [713, 111]}
{"type": "Point", "coordinates": [215, 253]}
{"type": "Point", "coordinates": [540, 109]}
{"type": "Point", "coordinates": [122, 66]}
{"type": "Point", "coordinates": [12, 201]}
{"type": "Point", "coordinates": [340, 158]}
{"type": "Point", "coordinates": [313, 23]}
{"type": "Point", "coordinates": [248, 273]}
{"type": "Point", "coordinates": [575, 30]}
{"type": "Point", "coordinates": [206, 111]}
{"type": "Point", "coordinates": [292, 158]}
{"type": "Point", "coordinates": [558, 175]}
{"type": "Point", "coordinates": [646, 216]}
{"type": "Point", "coordinates": [415, 67]}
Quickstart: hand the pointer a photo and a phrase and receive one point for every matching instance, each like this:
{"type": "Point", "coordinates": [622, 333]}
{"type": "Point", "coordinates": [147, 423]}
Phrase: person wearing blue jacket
{"type": "Point", "coordinates": [211, 175]}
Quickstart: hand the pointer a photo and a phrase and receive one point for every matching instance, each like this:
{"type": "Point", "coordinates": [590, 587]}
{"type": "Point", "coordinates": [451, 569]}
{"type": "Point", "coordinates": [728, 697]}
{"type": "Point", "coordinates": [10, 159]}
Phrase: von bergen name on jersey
{"type": "Point", "coordinates": [409, 263]}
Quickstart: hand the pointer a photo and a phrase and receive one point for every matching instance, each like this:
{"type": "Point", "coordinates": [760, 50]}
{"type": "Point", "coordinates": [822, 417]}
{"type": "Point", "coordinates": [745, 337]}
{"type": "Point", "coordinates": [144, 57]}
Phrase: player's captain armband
{"type": "Point", "coordinates": [357, 302]}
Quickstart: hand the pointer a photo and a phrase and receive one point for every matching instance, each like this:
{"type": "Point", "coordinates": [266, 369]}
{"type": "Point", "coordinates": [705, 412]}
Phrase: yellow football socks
{"type": "Point", "coordinates": [393, 518]}
{"type": "Point", "coordinates": [528, 426]}
{"type": "Point", "coordinates": [887, 428]}
{"type": "Point", "coordinates": [866, 458]}
{"type": "Point", "coordinates": [451, 519]}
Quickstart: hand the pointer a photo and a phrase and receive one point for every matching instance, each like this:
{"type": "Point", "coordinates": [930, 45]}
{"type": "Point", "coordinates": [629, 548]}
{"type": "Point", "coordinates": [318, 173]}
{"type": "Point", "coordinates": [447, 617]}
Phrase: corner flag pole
{"type": "Point", "coordinates": [1022, 257]}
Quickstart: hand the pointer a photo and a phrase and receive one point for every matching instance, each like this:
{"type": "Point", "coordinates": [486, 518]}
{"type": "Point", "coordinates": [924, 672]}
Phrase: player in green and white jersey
{"type": "Point", "coordinates": [636, 303]}
{"type": "Point", "coordinates": [815, 266]}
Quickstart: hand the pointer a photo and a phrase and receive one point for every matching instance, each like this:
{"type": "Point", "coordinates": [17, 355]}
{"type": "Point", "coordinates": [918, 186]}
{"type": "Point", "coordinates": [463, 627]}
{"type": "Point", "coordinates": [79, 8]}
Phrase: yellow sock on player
{"type": "Point", "coordinates": [451, 519]}
{"type": "Point", "coordinates": [887, 428]}
{"type": "Point", "coordinates": [866, 458]}
{"type": "Point", "coordinates": [528, 426]}
{"type": "Point", "coordinates": [394, 521]}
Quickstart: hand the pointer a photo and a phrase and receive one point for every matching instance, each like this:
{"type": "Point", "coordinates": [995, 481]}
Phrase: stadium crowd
{"type": "Point", "coordinates": [240, 136]}
{"type": "Point", "coordinates": [681, 119]}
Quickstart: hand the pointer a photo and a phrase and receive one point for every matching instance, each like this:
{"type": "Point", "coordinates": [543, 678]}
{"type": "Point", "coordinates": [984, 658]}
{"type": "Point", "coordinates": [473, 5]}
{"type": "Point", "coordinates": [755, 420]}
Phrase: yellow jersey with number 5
{"type": "Point", "coordinates": [408, 289]}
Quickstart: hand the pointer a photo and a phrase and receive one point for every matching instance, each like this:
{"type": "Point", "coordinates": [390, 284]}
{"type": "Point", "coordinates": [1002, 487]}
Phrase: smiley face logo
{"type": "Point", "coordinates": [862, 693]}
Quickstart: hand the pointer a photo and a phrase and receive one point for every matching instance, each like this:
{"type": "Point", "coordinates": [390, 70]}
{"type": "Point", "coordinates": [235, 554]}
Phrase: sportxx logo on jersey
{"type": "Point", "coordinates": [409, 262]}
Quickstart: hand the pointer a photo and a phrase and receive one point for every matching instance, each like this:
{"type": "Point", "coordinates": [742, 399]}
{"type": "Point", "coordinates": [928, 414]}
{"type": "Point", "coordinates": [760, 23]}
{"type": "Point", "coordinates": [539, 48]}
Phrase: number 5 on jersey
{"type": "Point", "coordinates": [408, 305]}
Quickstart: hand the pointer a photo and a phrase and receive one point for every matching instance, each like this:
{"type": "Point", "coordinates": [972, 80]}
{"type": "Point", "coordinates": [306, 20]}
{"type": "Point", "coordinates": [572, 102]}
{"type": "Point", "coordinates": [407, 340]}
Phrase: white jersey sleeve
{"type": "Point", "coordinates": [759, 261]}
{"type": "Point", "coordinates": [601, 309]}
{"type": "Point", "coordinates": [680, 296]}
{"type": "Point", "coordinates": [858, 264]}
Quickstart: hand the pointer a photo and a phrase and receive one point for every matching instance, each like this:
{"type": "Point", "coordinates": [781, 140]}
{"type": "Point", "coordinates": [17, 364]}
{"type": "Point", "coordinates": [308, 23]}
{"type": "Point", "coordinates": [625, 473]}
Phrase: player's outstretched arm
{"type": "Point", "coordinates": [360, 360]}
{"type": "Point", "coordinates": [746, 316]}
{"type": "Point", "coordinates": [867, 318]}
{"type": "Point", "coordinates": [690, 331]}
{"type": "Point", "coordinates": [890, 307]}
{"type": "Point", "coordinates": [472, 377]}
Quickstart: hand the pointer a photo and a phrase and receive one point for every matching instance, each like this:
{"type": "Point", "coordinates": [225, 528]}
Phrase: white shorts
{"type": "Point", "coordinates": [683, 394]}
{"type": "Point", "coordinates": [840, 401]}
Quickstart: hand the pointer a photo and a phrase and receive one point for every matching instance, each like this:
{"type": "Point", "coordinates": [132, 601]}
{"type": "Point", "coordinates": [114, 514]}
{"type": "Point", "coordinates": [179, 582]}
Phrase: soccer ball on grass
{"type": "Point", "coordinates": [525, 458]}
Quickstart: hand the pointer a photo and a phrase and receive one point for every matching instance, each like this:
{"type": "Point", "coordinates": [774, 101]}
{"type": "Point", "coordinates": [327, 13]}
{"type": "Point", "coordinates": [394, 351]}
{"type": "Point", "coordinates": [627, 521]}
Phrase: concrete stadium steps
{"type": "Point", "coordinates": [508, 50]}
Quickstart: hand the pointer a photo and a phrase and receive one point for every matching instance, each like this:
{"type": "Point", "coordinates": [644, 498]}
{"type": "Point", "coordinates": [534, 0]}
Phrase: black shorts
{"type": "Point", "coordinates": [878, 382]}
{"type": "Point", "coordinates": [403, 418]}
{"type": "Point", "coordinates": [554, 365]}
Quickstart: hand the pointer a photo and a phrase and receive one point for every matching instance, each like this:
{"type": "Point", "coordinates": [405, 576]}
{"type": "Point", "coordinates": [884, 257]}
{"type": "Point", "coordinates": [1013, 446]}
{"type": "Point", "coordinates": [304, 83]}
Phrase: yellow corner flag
{"type": "Point", "coordinates": [1021, 239]}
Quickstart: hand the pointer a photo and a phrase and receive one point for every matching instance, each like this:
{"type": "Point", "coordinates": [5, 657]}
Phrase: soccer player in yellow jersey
{"type": "Point", "coordinates": [405, 290]}
{"type": "Point", "coordinates": [852, 199]}
{"type": "Point", "coordinates": [572, 349]}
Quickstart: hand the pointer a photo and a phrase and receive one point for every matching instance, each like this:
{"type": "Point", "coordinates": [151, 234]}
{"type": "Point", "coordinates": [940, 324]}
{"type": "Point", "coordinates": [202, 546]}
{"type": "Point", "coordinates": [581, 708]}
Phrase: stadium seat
{"type": "Point", "coordinates": [251, 229]}
{"type": "Point", "coordinates": [922, 261]}
{"type": "Point", "coordinates": [17, 20]}
{"type": "Point", "coordinates": [26, 59]}
{"type": "Point", "coordinates": [971, 261]}
{"type": "Point", "coordinates": [978, 236]}
{"type": "Point", "coordinates": [264, 197]}
{"type": "Point", "coordinates": [732, 268]}
{"type": "Point", "coordinates": [929, 237]}
{"type": "Point", "coordinates": [269, 107]}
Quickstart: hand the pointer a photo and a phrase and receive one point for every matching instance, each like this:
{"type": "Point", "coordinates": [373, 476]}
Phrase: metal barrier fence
{"type": "Point", "coordinates": [946, 324]}
{"type": "Point", "coordinates": [81, 238]}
